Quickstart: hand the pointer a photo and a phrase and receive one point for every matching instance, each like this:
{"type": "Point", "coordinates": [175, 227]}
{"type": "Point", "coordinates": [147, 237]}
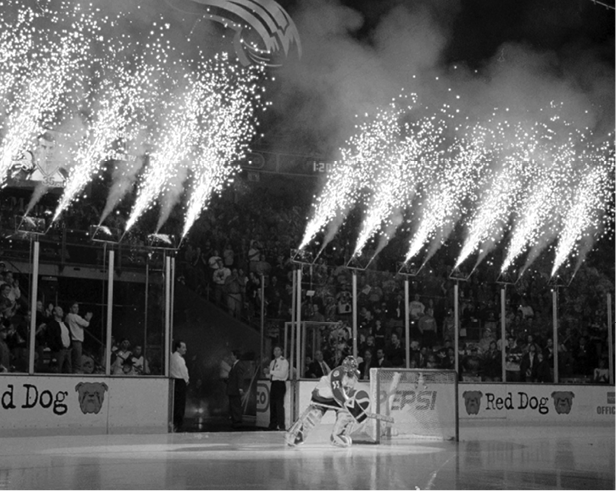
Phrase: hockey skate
{"type": "Point", "coordinates": [342, 429]}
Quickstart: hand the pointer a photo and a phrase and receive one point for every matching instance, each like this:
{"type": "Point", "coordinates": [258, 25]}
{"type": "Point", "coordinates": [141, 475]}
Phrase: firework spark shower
{"type": "Point", "coordinates": [524, 183]}
{"type": "Point", "coordinates": [65, 68]}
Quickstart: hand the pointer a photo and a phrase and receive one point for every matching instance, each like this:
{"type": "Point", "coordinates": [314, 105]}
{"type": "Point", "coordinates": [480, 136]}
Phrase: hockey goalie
{"type": "Point", "coordinates": [334, 391]}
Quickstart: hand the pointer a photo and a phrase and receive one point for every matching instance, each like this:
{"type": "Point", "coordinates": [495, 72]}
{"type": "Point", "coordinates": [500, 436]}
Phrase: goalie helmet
{"type": "Point", "coordinates": [349, 366]}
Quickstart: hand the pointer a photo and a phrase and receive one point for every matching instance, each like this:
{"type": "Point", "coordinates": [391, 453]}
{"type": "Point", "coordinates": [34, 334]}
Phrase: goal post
{"type": "Point", "coordinates": [422, 402]}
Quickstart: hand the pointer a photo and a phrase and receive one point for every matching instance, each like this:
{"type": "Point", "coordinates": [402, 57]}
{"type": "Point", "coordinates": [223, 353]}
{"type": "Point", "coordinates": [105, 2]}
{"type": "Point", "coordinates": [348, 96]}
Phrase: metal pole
{"type": "Point", "coordinates": [110, 270]}
{"type": "Point", "coordinates": [555, 331]}
{"type": "Point", "coordinates": [293, 315]}
{"type": "Point", "coordinates": [167, 264]}
{"type": "Point", "coordinates": [145, 315]}
{"type": "Point", "coordinates": [407, 323]}
{"type": "Point", "coordinates": [33, 297]}
{"type": "Point", "coordinates": [610, 338]}
{"type": "Point", "coordinates": [262, 342]}
{"type": "Point", "coordinates": [299, 320]}
{"type": "Point", "coordinates": [172, 299]}
{"type": "Point", "coordinates": [503, 335]}
{"type": "Point", "coordinates": [355, 313]}
{"type": "Point", "coordinates": [456, 324]}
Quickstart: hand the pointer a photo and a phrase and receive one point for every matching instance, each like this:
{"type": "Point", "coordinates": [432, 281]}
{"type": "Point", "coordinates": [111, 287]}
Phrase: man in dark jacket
{"type": "Point", "coordinates": [235, 390]}
{"type": "Point", "coordinates": [59, 341]}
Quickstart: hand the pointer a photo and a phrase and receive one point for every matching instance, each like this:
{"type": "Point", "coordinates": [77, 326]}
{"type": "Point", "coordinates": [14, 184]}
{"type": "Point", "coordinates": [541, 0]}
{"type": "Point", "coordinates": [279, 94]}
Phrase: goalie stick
{"type": "Point", "coordinates": [380, 417]}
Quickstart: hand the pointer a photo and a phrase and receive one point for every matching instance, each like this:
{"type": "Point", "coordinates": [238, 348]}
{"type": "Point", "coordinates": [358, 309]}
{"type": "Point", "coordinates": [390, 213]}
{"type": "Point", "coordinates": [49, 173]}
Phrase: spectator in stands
{"type": "Point", "coordinates": [427, 328]}
{"type": "Point", "coordinates": [76, 325]}
{"type": "Point", "coordinates": [14, 293]}
{"type": "Point", "coordinates": [228, 256]}
{"type": "Point", "coordinates": [526, 310]}
{"type": "Point", "coordinates": [601, 374]}
{"type": "Point", "coordinates": [472, 365]}
{"type": "Point", "coordinates": [486, 340]}
{"type": "Point", "coordinates": [5, 354]}
{"type": "Point", "coordinates": [368, 345]}
{"type": "Point", "coordinates": [379, 333]}
{"type": "Point", "coordinates": [219, 277]}
{"type": "Point", "coordinates": [583, 358]}
{"type": "Point", "coordinates": [395, 352]}
{"type": "Point", "coordinates": [416, 308]}
{"type": "Point", "coordinates": [381, 361]}
{"type": "Point", "coordinates": [273, 298]}
{"type": "Point", "coordinates": [543, 371]}
{"type": "Point", "coordinates": [448, 329]}
{"type": "Point", "coordinates": [513, 359]}
{"type": "Point", "coordinates": [366, 365]}
{"type": "Point", "coordinates": [128, 369]}
{"type": "Point", "coordinates": [421, 356]}
{"type": "Point", "coordinates": [528, 364]}
{"type": "Point", "coordinates": [140, 364]}
{"type": "Point", "coordinates": [395, 311]}
{"type": "Point", "coordinates": [17, 343]}
{"type": "Point", "coordinates": [318, 368]}
{"type": "Point", "coordinates": [8, 307]}
{"type": "Point", "coordinates": [492, 364]}
{"type": "Point", "coordinates": [121, 355]}
{"type": "Point", "coordinates": [59, 341]}
{"type": "Point", "coordinates": [253, 294]}
{"type": "Point", "coordinates": [233, 292]}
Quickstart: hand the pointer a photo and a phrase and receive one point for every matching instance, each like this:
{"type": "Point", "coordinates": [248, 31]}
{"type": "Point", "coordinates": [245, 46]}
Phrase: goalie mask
{"type": "Point", "coordinates": [349, 366]}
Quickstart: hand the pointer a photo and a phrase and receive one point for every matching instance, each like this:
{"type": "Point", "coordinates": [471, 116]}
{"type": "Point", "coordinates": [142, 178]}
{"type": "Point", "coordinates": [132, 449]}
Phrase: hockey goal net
{"type": "Point", "coordinates": [422, 403]}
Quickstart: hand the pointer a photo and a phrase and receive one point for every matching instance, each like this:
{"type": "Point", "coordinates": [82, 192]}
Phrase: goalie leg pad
{"type": "Point", "coordinates": [342, 429]}
{"type": "Point", "coordinates": [299, 432]}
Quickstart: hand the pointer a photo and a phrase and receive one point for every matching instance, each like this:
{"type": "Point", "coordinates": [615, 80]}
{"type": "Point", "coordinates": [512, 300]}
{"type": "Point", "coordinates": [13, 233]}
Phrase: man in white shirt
{"type": "Point", "coordinates": [76, 324]}
{"type": "Point", "coordinates": [179, 372]}
{"type": "Point", "coordinates": [278, 373]}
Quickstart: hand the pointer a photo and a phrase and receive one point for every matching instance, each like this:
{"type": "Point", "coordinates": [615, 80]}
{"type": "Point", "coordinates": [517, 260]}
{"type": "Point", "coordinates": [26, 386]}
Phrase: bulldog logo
{"type": "Point", "coordinates": [563, 401]}
{"type": "Point", "coordinates": [472, 401]}
{"type": "Point", "coordinates": [91, 396]}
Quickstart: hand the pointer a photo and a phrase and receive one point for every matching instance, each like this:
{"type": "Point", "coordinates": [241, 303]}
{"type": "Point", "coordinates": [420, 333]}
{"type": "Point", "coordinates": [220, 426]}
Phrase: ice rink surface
{"type": "Point", "coordinates": [495, 457]}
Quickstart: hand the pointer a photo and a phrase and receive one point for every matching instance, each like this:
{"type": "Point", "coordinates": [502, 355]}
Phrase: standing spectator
{"type": "Point", "coordinates": [228, 256]}
{"type": "Point", "coordinates": [427, 328]}
{"type": "Point", "coordinates": [59, 341]}
{"type": "Point", "coordinates": [15, 292]}
{"type": "Point", "coordinates": [5, 354]}
{"type": "Point", "coordinates": [273, 298]}
{"type": "Point", "coordinates": [76, 325]}
{"type": "Point", "coordinates": [366, 365]}
{"type": "Point", "coordinates": [253, 294]}
{"type": "Point", "coordinates": [526, 310]}
{"type": "Point", "coordinates": [235, 390]}
{"type": "Point", "coordinates": [416, 308]}
{"type": "Point", "coordinates": [179, 372]}
{"type": "Point", "coordinates": [278, 373]}
{"type": "Point", "coordinates": [220, 277]}
{"type": "Point", "coordinates": [233, 291]}
{"type": "Point", "coordinates": [395, 351]}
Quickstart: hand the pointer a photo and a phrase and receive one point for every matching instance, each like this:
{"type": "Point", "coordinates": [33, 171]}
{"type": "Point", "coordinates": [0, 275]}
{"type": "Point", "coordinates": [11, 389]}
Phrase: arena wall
{"type": "Point", "coordinates": [74, 405]}
{"type": "Point", "coordinates": [550, 403]}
